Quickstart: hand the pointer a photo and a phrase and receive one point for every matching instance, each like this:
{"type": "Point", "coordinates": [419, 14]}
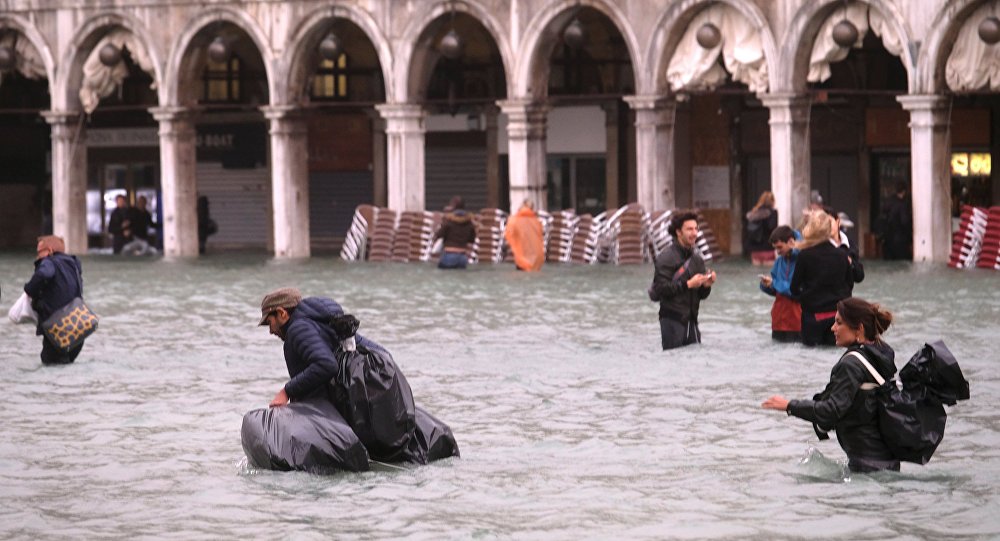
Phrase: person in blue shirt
{"type": "Point", "coordinates": [57, 280]}
{"type": "Point", "coordinates": [786, 312]}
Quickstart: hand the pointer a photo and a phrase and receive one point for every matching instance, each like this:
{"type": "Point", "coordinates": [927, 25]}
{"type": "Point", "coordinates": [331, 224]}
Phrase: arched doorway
{"type": "Point", "coordinates": [221, 76]}
{"type": "Point", "coordinates": [25, 186]}
{"type": "Point", "coordinates": [457, 76]}
{"type": "Point", "coordinates": [337, 80]}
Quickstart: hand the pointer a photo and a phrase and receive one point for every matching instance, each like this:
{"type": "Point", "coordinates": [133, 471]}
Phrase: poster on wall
{"type": "Point", "coordinates": [711, 186]}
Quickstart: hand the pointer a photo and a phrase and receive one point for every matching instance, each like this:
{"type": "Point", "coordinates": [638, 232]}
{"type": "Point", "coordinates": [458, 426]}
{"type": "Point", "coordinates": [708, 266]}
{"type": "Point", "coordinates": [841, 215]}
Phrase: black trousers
{"type": "Point", "coordinates": [674, 334]}
{"type": "Point", "coordinates": [53, 355]}
{"type": "Point", "coordinates": [817, 332]}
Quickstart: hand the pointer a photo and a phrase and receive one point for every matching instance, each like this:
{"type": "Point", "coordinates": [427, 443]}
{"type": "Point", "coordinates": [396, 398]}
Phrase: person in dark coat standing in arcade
{"type": "Point", "coordinates": [58, 279]}
{"type": "Point", "coordinates": [120, 224]}
{"type": "Point", "coordinates": [680, 283]}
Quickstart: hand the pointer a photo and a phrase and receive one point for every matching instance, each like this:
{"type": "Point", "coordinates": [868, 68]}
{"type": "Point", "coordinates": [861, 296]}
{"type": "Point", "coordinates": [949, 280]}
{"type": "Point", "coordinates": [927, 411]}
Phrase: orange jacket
{"type": "Point", "coordinates": [524, 235]}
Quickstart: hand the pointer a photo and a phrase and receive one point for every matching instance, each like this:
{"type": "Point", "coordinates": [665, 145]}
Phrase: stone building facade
{"type": "Point", "coordinates": [289, 113]}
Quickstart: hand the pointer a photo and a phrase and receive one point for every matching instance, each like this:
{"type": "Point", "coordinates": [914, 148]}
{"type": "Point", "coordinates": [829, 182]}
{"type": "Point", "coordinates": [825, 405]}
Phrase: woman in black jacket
{"type": "Point", "coordinates": [848, 403]}
{"type": "Point", "coordinates": [823, 276]}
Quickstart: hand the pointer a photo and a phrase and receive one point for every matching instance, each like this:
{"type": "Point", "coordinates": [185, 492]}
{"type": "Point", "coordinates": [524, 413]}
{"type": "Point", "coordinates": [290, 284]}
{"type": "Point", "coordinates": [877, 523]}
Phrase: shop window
{"type": "Point", "coordinates": [331, 80]}
{"type": "Point", "coordinates": [971, 183]}
{"type": "Point", "coordinates": [222, 81]}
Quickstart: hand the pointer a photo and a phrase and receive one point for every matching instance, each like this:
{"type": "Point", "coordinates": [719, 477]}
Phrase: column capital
{"type": "Point", "coordinates": [646, 102]}
{"type": "Point", "coordinates": [401, 111]}
{"type": "Point", "coordinates": [282, 112]}
{"type": "Point", "coordinates": [60, 117]}
{"type": "Point", "coordinates": [923, 102]}
{"type": "Point", "coordinates": [527, 108]}
{"type": "Point", "coordinates": [172, 113]}
{"type": "Point", "coordinates": [779, 100]}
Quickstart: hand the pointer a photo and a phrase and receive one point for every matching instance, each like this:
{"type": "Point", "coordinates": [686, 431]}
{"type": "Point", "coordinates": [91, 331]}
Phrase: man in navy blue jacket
{"type": "Point", "coordinates": [57, 280]}
{"type": "Point", "coordinates": [309, 342]}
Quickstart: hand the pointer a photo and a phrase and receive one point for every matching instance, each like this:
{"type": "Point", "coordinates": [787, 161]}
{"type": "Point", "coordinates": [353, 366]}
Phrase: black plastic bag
{"type": "Point", "coordinates": [432, 440]}
{"type": "Point", "coordinates": [912, 419]}
{"type": "Point", "coordinates": [376, 401]}
{"type": "Point", "coordinates": [307, 435]}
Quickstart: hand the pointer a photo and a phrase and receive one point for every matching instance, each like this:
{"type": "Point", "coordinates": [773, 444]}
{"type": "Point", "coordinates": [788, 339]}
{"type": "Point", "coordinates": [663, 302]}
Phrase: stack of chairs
{"type": "Point", "coordinates": [660, 238]}
{"type": "Point", "coordinates": [706, 242]}
{"type": "Point", "coordinates": [488, 248]}
{"type": "Point", "coordinates": [968, 240]}
{"type": "Point", "coordinates": [401, 240]}
{"type": "Point", "coordinates": [585, 238]}
{"type": "Point", "coordinates": [989, 257]}
{"type": "Point", "coordinates": [628, 230]}
{"type": "Point", "coordinates": [560, 244]}
{"type": "Point", "coordinates": [659, 221]}
{"type": "Point", "coordinates": [546, 219]}
{"type": "Point", "coordinates": [383, 235]}
{"type": "Point", "coordinates": [356, 240]}
{"type": "Point", "coordinates": [422, 238]}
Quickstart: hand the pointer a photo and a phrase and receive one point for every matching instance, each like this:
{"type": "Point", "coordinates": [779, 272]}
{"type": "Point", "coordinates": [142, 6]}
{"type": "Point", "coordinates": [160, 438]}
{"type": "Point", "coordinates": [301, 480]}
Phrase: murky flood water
{"type": "Point", "coordinates": [571, 422]}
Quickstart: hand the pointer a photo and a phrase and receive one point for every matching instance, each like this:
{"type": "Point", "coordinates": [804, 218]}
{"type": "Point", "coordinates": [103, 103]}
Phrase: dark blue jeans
{"type": "Point", "coordinates": [674, 334]}
{"type": "Point", "coordinates": [453, 260]}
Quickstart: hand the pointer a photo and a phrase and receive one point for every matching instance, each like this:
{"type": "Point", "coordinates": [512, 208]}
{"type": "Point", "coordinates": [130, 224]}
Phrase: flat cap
{"type": "Point", "coordinates": [286, 297]}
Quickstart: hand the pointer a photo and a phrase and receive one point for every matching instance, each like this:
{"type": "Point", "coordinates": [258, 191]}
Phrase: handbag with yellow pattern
{"type": "Point", "coordinates": [67, 327]}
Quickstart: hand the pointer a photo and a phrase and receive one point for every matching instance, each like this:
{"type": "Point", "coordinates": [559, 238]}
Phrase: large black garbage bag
{"type": "Point", "coordinates": [912, 419]}
{"type": "Point", "coordinates": [935, 368]}
{"type": "Point", "coordinates": [375, 400]}
{"type": "Point", "coordinates": [432, 440]}
{"type": "Point", "coordinates": [308, 435]}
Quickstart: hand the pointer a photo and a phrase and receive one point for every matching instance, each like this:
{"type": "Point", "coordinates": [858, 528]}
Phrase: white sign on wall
{"type": "Point", "coordinates": [122, 137]}
{"type": "Point", "coordinates": [711, 186]}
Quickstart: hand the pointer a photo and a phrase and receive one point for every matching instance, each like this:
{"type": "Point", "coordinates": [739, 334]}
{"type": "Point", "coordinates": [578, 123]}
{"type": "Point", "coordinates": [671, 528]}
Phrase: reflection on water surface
{"type": "Point", "coordinates": [571, 423]}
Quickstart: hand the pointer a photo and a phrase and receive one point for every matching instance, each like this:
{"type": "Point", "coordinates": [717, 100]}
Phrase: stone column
{"type": "Point", "coordinates": [790, 154]}
{"type": "Point", "coordinates": [289, 180]}
{"type": "Point", "coordinates": [378, 160]}
{"type": "Point", "coordinates": [177, 181]}
{"type": "Point", "coordinates": [611, 154]}
{"type": "Point", "coordinates": [930, 150]}
{"type": "Point", "coordinates": [654, 151]}
{"type": "Point", "coordinates": [69, 179]}
{"type": "Point", "coordinates": [492, 157]}
{"type": "Point", "coordinates": [404, 130]}
{"type": "Point", "coordinates": [526, 151]}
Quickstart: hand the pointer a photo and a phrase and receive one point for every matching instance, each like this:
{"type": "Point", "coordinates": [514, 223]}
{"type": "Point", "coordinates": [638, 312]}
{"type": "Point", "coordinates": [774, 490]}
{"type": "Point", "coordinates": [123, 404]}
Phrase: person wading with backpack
{"type": "Point", "coordinates": [849, 404]}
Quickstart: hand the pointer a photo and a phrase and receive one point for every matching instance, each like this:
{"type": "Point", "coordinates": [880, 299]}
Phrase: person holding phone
{"type": "Point", "coordinates": [680, 283]}
{"type": "Point", "coordinates": [786, 312]}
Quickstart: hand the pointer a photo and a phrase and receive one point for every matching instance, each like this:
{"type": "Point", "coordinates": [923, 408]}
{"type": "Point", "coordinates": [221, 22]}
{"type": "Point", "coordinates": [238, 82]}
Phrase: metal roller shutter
{"type": "Point", "coordinates": [239, 202]}
{"type": "Point", "coordinates": [452, 171]}
{"type": "Point", "coordinates": [333, 196]}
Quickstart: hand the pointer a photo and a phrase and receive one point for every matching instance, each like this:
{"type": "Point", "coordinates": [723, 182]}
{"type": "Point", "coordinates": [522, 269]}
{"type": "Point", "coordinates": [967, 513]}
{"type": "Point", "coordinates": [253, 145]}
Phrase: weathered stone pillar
{"type": "Point", "coordinates": [177, 181]}
{"type": "Point", "coordinates": [930, 149]}
{"type": "Point", "coordinates": [69, 179]}
{"type": "Point", "coordinates": [526, 151]}
{"type": "Point", "coordinates": [790, 154]}
{"type": "Point", "coordinates": [378, 160]}
{"type": "Point", "coordinates": [654, 151]}
{"type": "Point", "coordinates": [289, 180]}
{"type": "Point", "coordinates": [492, 157]}
{"type": "Point", "coordinates": [611, 165]}
{"type": "Point", "coordinates": [404, 130]}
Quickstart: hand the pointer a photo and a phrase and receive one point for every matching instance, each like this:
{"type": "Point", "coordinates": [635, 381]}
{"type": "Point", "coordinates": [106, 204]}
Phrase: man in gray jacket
{"type": "Point", "coordinates": [680, 282]}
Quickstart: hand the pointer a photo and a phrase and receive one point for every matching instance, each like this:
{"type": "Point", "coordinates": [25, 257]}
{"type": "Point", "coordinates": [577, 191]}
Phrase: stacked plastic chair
{"type": "Point", "coordinates": [356, 240]}
{"type": "Point", "coordinates": [627, 234]}
{"type": "Point", "coordinates": [706, 242]}
{"type": "Point", "coordinates": [968, 239]}
{"type": "Point", "coordinates": [383, 235]}
{"type": "Point", "coordinates": [585, 239]}
{"type": "Point", "coordinates": [659, 221]}
{"type": "Point", "coordinates": [560, 245]}
{"type": "Point", "coordinates": [989, 257]}
{"type": "Point", "coordinates": [488, 248]}
{"type": "Point", "coordinates": [422, 235]}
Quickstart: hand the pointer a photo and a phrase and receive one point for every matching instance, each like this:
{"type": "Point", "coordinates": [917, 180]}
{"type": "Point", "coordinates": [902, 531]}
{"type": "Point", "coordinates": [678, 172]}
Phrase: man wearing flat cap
{"type": "Point", "coordinates": [310, 341]}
